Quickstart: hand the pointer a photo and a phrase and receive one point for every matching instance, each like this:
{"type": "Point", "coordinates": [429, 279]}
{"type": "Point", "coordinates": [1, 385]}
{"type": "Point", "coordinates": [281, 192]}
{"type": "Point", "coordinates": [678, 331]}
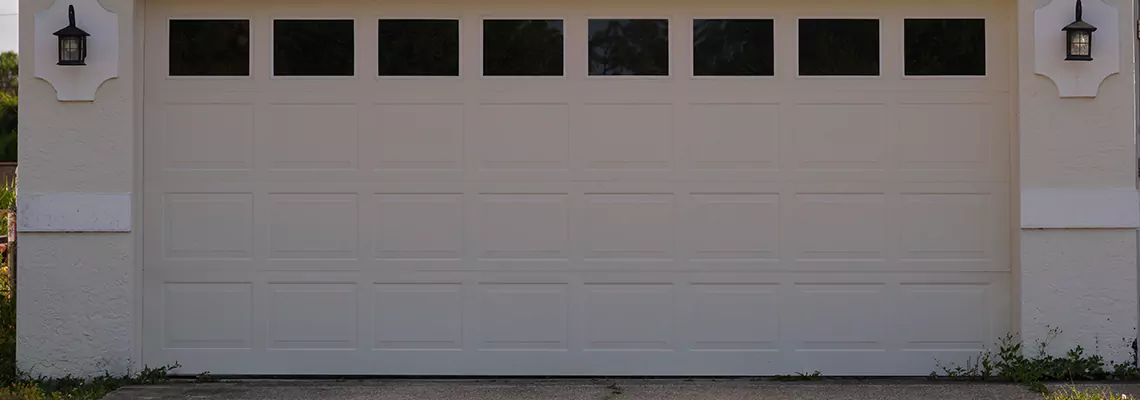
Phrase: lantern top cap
{"type": "Point", "coordinates": [71, 29]}
{"type": "Point", "coordinates": [1080, 24]}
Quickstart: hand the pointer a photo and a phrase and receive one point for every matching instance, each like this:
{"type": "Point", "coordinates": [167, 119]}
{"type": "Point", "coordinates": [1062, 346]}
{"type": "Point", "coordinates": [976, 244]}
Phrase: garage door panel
{"type": "Point", "coordinates": [575, 224]}
{"type": "Point", "coordinates": [420, 139]}
{"type": "Point", "coordinates": [732, 227]}
{"type": "Point", "coordinates": [523, 316]}
{"type": "Point", "coordinates": [535, 140]}
{"type": "Point", "coordinates": [750, 312]}
{"type": "Point", "coordinates": [646, 320]}
{"type": "Point", "coordinates": [741, 139]}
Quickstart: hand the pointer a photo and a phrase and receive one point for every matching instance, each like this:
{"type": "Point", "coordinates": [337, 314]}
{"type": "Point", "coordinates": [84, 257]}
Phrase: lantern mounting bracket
{"type": "Point", "coordinates": [1073, 78]}
{"type": "Point", "coordinates": [73, 83]}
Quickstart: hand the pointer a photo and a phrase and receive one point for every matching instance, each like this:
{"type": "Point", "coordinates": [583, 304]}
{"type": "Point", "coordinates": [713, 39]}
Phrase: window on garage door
{"type": "Point", "coordinates": [314, 47]}
{"type": "Point", "coordinates": [418, 47]}
{"type": "Point", "coordinates": [839, 47]}
{"type": "Point", "coordinates": [203, 47]}
{"type": "Point", "coordinates": [629, 47]}
{"type": "Point", "coordinates": [523, 47]}
{"type": "Point", "coordinates": [945, 46]}
{"type": "Point", "coordinates": [733, 47]}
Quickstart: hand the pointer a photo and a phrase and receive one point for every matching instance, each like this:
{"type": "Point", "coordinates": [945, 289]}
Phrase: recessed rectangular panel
{"type": "Point", "coordinates": [940, 46]}
{"type": "Point", "coordinates": [207, 315]}
{"type": "Point", "coordinates": [945, 136]}
{"type": "Point", "coordinates": [839, 316]}
{"type": "Point", "coordinates": [734, 136]}
{"type": "Point", "coordinates": [629, 46]}
{"type": "Point", "coordinates": [523, 226]}
{"type": "Point", "coordinates": [416, 137]}
{"type": "Point", "coordinates": [736, 317]}
{"type": "Point", "coordinates": [208, 136]}
{"type": "Point", "coordinates": [840, 226]}
{"type": "Point", "coordinates": [621, 317]}
{"type": "Point", "coordinates": [628, 226]}
{"type": "Point", "coordinates": [209, 47]}
{"type": "Point", "coordinates": [945, 316]}
{"type": "Point", "coordinates": [410, 316]}
{"type": "Point", "coordinates": [305, 316]}
{"type": "Point", "coordinates": [627, 136]}
{"type": "Point", "coordinates": [734, 226]}
{"type": "Point", "coordinates": [523, 316]}
{"type": "Point", "coordinates": [418, 226]}
{"type": "Point", "coordinates": [946, 226]}
{"type": "Point", "coordinates": [314, 136]}
{"type": "Point", "coordinates": [839, 136]}
{"type": "Point", "coordinates": [208, 225]}
{"type": "Point", "coordinates": [314, 47]}
{"type": "Point", "coordinates": [523, 47]}
{"type": "Point", "coordinates": [733, 47]}
{"type": "Point", "coordinates": [521, 137]}
{"type": "Point", "coordinates": [313, 226]}
{"type": "Point", "coordinates": [839, 47]}
{"type": "Point", "coordinates": [418, 47]}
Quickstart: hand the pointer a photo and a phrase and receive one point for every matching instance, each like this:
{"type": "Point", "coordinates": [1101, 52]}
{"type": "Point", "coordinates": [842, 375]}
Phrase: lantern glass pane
{"type": "Point", "coordinates": [70, 49]}
{"type": "Point", "coordinates": [1079, 43]}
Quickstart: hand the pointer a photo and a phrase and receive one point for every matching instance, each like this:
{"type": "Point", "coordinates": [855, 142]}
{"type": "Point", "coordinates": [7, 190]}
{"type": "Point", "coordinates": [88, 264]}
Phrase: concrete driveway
{"type": "Point", "coordinates": [585, 390]}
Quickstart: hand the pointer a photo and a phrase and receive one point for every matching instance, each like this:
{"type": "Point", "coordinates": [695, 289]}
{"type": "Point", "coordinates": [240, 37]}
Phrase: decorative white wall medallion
{"type": "Point", "coordinates": [77, 83]}
{"type": "Point", "coordinates": [1076, 78]}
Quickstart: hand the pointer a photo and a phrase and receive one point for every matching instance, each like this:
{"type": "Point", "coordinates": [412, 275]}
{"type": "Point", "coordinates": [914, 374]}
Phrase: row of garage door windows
{"type": "Point", "coordinates": [534, 47]}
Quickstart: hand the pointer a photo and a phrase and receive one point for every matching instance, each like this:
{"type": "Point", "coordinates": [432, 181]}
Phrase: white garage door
{"type": "Point", "coordinates": [576, 188]}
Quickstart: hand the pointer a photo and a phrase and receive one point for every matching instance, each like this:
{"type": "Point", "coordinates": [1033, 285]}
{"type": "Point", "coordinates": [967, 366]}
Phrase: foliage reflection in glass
{"type": "Point", "coordinates": [740, 47]}
{"type": "Point", "coordinates": [523, 47]}
{"type": "Point", "coordinates": [629, 47]}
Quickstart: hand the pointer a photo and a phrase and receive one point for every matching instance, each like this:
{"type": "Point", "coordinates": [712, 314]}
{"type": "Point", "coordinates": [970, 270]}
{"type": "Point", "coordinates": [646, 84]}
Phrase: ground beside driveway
{"type": "Point", "coordinates": [585, 390]}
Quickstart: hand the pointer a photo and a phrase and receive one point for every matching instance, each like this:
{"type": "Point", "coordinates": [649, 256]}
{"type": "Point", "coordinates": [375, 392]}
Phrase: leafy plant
{"type": "Point", "coordinates": [80, 388]}
{"type": "Point", "coordinates": [1010, 363]}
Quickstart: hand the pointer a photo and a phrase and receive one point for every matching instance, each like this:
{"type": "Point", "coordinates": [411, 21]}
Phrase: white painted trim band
{"type": "Point", "coordinates": [1080, 209]}
{"type": "Point", "coordinates": [74, 212]}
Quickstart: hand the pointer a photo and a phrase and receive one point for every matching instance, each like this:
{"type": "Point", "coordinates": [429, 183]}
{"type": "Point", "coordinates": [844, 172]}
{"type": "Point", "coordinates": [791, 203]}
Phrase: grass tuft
{"type": "Point", "coordinates": [1072, 393]}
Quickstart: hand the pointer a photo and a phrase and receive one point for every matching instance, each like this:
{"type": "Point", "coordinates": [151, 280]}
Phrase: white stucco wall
{"type": "Point", "coordinates": [1078, 276]}
{"type": "Point", "coordinates": [76, 290]}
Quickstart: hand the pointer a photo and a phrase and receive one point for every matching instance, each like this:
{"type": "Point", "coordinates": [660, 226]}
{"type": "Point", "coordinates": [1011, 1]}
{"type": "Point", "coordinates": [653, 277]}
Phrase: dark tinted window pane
{"type": "Point", "coordinates": [839, 47]}
{"type": "Point", "coordinates": [522, 47]}
{"type": "Point", "coordinates": [945, 46]}
{"type": "Point", "coordinates": [419, 47]}
{"type": "Point", "coordinates": [629, 47]}
{"type": "Point", "coordinates": [209, 48]}
{"type": "Point", "coordinates": [733, 47]}
{"type": "Point", "coordinates": [313, 48]}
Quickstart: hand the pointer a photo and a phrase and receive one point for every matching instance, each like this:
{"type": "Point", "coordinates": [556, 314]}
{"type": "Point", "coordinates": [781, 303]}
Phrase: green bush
{"type": "Point", "coordinates": [9, 114]}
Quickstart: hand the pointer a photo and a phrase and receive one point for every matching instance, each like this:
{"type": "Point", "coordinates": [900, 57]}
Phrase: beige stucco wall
{"type": "Point", "coordinates": [1082, 281]}
{"type": "Point", "coordinates": [77, 290]}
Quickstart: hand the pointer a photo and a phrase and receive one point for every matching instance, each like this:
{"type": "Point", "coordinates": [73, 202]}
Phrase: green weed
{"type": "Point", "coordinates": [1010, 363]}
{"type": "Point", "coordinates": [799, 376]}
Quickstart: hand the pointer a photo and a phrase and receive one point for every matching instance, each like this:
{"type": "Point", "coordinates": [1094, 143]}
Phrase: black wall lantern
{"type": "Point", "coordinates": [1079, 37]}
{"type": "Point", "coordinates": [72, 42]}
